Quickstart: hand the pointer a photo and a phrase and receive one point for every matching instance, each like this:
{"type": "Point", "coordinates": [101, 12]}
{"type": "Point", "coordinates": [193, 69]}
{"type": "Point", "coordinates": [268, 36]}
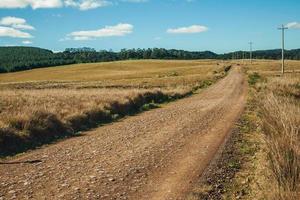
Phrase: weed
{"type": "Point", "coordinates": [254, 78]}
{"type": "Point", "coordinates": [149, 106]}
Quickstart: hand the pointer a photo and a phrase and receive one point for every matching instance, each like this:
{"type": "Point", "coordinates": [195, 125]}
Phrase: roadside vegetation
{"type": "Point", "coordinates": [38, 112]}
{"type": "Point", "coordinates": [261, 159]}
{"type": "Point", "coordinates": [271, 170]}
{"type": "Point", "coordinates": [280, 116]}
{"type": "Point", "coordinates": [33, 117]}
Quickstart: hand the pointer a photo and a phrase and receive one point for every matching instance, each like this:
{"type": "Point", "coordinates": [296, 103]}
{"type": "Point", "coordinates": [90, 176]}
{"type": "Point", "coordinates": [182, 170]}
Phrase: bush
{"type": "Point", "coordinates": [227, 68]}
{"type": "Point", "coordinates": [10, 141]}
{"type": "Point", "coordinates": [44, 126]}
{"type": "Point", "coordinates": [254, 78]}
{"type": "Point", "coordinates": [149, 106]}
{"type": "Point", "coordinates": [88, 119]}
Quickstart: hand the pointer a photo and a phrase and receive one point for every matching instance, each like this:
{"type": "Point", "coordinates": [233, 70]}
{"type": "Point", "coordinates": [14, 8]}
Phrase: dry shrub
{"type": "Point", "coordinates": [281, 125]}
{"type": "Point", "coordinates": [45, 126]}
{"type": "Point", "coordinates": [10, 141]}
{"type": "Point", "coordinates": [88, 119]}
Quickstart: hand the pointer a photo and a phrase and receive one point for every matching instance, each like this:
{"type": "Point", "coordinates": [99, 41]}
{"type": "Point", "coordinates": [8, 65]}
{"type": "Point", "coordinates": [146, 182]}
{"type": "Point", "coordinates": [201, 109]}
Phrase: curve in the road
{"type": "Point", "coordinates": [154, 155]}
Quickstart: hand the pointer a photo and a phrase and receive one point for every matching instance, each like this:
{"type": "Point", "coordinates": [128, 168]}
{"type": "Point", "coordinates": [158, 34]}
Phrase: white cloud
{"type": "Point", "coordinates": [45, 3]}
{"type": "Point", "coordinates": [15, 22]}
{"type": "Point", "coordinates": [82, 38]}
{"type": "Point", "coordinates": [27, 42]}
{"type": "Point", "coordinates": [108, 31]}
{"type": "Point", "coordinates": [293, 25]}
{"type": "Point", "coordinates": [12, 32]}
{"type": "Point", "coordinates": [135, 1]}
{"type": "Point", "coordinates": [13, 4]}
{"type": "Point", "coordinates": [35, 4]}
{"type": "Point", "coordinates": [92, 4]}
{"type": "Point", "coordinates": [23, 26]}
{"type": "Point", "coordinates": [12, 20]}
{"type": "Point", "coordinates": [80, 4]}
{"type": "Point", "coordinates": [86, 4]}
{"type": "Point", "coordinates": [12, 26]}
{"type": "Point", "coordinates": [188, 30]}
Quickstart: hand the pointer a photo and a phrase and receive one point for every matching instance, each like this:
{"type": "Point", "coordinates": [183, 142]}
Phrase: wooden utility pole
{"type": "Point", "coordinates": [282, 28]}
{"type": "Point", "coordinates": [250, 43]}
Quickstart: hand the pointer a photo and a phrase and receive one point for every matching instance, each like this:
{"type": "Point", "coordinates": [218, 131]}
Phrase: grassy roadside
{"type": "Point", "coordinates": [229, 175]}
{"type": "Point", "coordinates": [42, 126]}
{"type": "Point", "coordinates": [274, 170]}
{"type": "Point", "coordinates": [44, 116]}
{"type": "Point", "coordinates": [248, 152]}
{"type": "Point", "coordinates": [261, 159]}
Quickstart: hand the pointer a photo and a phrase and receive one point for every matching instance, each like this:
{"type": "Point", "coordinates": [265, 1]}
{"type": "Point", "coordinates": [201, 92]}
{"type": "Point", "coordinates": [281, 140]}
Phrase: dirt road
{"type": "Point", "coordinates": [154, 155]}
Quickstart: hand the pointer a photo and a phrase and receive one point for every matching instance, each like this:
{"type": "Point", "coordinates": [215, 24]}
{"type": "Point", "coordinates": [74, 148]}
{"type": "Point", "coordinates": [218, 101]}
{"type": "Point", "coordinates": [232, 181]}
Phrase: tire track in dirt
{"type": "Point", "coordinates": [155, 155]}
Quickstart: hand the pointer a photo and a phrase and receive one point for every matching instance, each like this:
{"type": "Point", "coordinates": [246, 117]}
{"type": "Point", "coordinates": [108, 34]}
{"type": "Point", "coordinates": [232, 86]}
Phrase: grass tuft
{"type": "Point", "coordinates": [280, 123]}
{"type": "Point", "coordinates": [254, 78]}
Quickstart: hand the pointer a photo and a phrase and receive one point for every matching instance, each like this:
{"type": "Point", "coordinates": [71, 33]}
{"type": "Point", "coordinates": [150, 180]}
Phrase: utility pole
{"type": "Point", "coordinates": [282, 28]}
{"type": "Point", "coordinates": [250, 43]}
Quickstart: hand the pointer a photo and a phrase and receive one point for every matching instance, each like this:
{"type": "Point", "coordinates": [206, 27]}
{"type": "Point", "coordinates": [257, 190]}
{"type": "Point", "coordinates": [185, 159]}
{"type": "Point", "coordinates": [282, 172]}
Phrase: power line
{"type": "Point", "coordinates": [282, 28]}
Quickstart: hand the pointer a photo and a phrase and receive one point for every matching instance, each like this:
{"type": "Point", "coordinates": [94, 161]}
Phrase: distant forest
{"type": "Point", "coordinates": [24, 58]}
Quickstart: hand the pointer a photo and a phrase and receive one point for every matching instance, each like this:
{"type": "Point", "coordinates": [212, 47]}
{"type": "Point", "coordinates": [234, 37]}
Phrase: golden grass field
{"type": "Point", "coordinates": [69, 90]}
{"type": "Point", "coordinates": [42, 103]}
{"type": "Point", "coordinates": [122, 73]}
{"type": "Point", "coordinates": [272, 67]}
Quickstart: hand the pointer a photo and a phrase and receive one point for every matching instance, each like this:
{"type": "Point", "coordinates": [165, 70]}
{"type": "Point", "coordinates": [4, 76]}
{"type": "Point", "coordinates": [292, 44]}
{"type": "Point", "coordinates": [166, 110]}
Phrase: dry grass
{"type": "Point", "coordinates": [121, 72]}
{"type": "Point", "coordinates": [272, 67]}
{"type": "Point", "coordinates": [279, 105]}
{"type": "Point", "coordinates": [287, 86]}
{"type": "Point", "coordinates": [64, 103]}
{"type": "Point", "coordinates": [41, 105]}
{"type": "Point", "coordinates": [31, 117]}
{"type": "Point", "coordinates": [280, 112]}
{"type": "Point", "coordinates": [271, 170]}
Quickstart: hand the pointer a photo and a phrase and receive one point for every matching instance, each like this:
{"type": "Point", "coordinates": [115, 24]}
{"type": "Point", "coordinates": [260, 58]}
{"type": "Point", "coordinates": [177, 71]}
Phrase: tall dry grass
{"type": "Point", "coordinates": [64, 103]}
{"type": "Point", "coordinates": [287, 86]}
{"type": "Point", "coordinates": [280, 114]}
{"type": "Point", "coordinates": [29, 118]}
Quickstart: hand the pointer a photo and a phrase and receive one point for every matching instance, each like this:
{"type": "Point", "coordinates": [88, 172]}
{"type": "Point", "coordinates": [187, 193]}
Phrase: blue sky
{"type": "Point", "coordinates": [216, 25]}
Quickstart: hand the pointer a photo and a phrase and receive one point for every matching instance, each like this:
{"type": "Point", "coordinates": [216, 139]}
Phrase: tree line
{"type": "Point", "coordinates": [24, 58]}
